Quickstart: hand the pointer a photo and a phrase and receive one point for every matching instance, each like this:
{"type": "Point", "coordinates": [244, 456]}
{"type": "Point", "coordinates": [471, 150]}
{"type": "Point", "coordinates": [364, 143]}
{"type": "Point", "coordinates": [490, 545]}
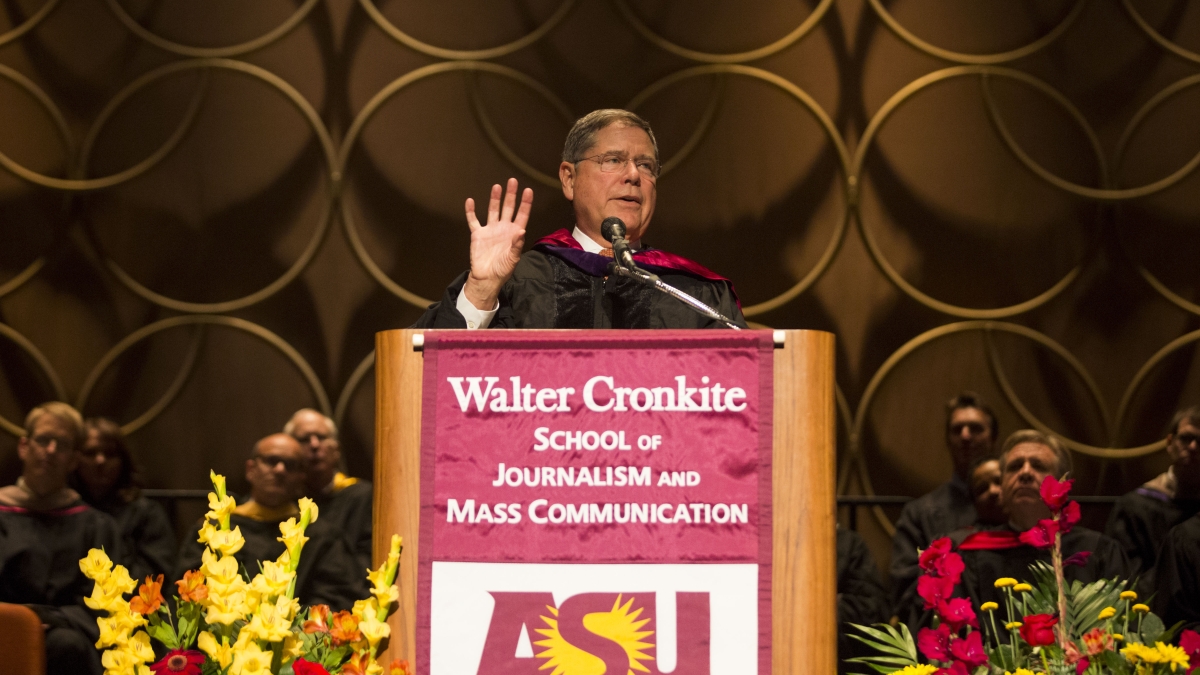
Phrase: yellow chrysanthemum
{"type": "Point", "coordinates": [251, 660]}
{"type": "Point", "coordinates": [307, 504]}
{"type": "Point", "coordinates": [1141, 608]}
{"type": "Point", "coordinates": [273, 581]}
{"type": "Point", "coordinates": [221, 653]}
{"type": "Point", "coordinates": [917, 669]}
{"type": "Point", "coordinates": [1012, 625]}
{"type": "Point", "coordinates": [293, 535]}
{"type": "Point", "coordinates": [1020, 671]}
{"type": "Point", "coordinates": [1107, 613]}
{"type": "Point", "coordinates": [1004, 582]}
{"type": "Point", "coordinates": [1118, 637]}
{"type": "Point", "coordinates": [1128, 595]}
{"type": "Point", "coordinates": [225, 542]}
{"type": "Point", "coordinates": [989, 606]}
{"type": "Point", "coordinates": [1022, 588]}
{"type": "Point", "coordinates": [1138, 653]}
{"type": "Point", "coordinates": [96, 565]}
{"type": "Point", "coordinates": [1170, 654]}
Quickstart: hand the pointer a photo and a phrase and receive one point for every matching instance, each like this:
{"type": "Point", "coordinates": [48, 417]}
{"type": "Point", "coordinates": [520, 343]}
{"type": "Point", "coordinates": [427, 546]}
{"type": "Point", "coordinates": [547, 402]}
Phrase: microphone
{"type": "Point", "coordinates": [613, 230]}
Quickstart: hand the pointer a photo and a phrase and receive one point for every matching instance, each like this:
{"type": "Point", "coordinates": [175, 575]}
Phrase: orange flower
{"type": "Point", "coordinates": [358, 664]}
{"type": "Point", "coordinates": [399, 667]}
{"type": "Point", "coordinates": [318, 619]}
{"type": "Point", "coordinates": [344, 629]}
{"type": "Point", "coordinates": [191, 587]}
{"type": "Point", "coordinates": [149, 597]}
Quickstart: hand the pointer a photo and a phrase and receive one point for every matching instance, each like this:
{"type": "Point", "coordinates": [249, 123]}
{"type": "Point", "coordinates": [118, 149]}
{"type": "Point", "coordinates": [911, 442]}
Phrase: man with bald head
{"type": "Point", "coordinates": [610, 168]}
{"type": "Point", "coordinates": [345, 502]}
{"type": "Point", "coordinates": [277, 472]}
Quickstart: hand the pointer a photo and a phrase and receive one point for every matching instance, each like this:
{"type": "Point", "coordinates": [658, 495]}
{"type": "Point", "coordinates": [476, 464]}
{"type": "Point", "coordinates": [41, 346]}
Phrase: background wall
{"type": "Point", "coordinates": [208, 209]}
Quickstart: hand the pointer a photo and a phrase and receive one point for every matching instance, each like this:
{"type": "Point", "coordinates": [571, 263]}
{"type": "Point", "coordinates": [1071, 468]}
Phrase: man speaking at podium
{"type": "Point", "coordinates": [609, 170]}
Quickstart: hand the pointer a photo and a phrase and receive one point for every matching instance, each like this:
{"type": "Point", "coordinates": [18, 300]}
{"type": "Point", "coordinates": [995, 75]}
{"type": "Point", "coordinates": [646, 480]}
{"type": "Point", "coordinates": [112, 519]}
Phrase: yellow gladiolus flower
{"type": "Point", "coordinates": [218, 482]}
{"type": "Point", "coordinates": [225, 609]}
{"type": "Point", "coordinates": [219, 652]}
{"type": "Point", "coordinates": [1141, 608]}
{"type": "Point", "coordinates": [219, 508]}
{"type": "Point", "coordinates": [1004, 582]}
{"type": "Point", "coordinates": [251, 660]}
{"type": "Point", "coordinates": [271, 622]}
{"type": "Point", "coordinates": [917, 669]}
{"type": "Point", "coordinates": [218, 572]}
{"type": "Point", "coordinates": [1108, 613]}
{"type": "Point", "coordinates": [293, 648]}
{"type": "Point", "coordinates": [307, 504]}
{"type": "Point", "coordinates": [225, 542]}
{"type": "Point", "coordinates": [115, 629]}
{"type": "Point", "coordinates": [273, 581]}
{"type": "Point", "coordinates": [1012, 625]}
{"type": "Point", "coordinates": [119, 661]}
{"type": "Point", "coordinates": [1022, 588]}
{"type": "Point", "coordinates": [293, 535]}
{"type": "Point", "coordinates": [373, 629]}
{"type": "Point", "coordinates": [96, 565]}
{"type": "Point", "coordinates": [989, 606]}
{"type": "Point", "coordinates": [139, 647]}
{"type": "Point", "coordinates": [120, 580]}
{"type": "Point", "coordinates": [1128, 595]}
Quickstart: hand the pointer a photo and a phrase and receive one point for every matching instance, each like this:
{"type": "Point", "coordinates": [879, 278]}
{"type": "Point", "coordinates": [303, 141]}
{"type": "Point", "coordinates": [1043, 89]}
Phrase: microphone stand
{"type": "Point", "coordinates": [652, 280]}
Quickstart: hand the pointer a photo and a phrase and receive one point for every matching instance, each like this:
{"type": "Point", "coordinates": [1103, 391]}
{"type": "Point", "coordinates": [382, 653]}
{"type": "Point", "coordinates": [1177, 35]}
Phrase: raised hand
{"type": "Point", "coordinates": [496, 246]}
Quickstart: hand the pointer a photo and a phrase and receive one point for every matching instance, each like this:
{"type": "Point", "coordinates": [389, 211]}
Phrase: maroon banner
{"type": "Point", "coordinates": [599, 497]}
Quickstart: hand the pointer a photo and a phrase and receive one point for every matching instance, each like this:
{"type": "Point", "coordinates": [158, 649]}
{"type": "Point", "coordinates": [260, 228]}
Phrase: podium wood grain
{"type": "Point", "coordinates": [804, 635]}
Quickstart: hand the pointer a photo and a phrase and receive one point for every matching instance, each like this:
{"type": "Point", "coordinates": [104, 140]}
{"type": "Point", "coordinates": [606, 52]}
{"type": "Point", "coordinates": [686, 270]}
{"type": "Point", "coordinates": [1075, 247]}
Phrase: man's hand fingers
{"type": "Point", "coordinates": [510, 200]}
{"type": "Point", "coordinates": [494, 205]}
{"type": "Point", "coordinates": [523, 211]}
{"type": "Point", "coordinates": [472, 220]}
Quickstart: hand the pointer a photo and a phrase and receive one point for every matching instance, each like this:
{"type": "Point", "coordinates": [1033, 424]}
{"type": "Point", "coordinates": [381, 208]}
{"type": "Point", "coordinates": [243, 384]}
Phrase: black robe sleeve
{"type": "Point", "coordinates": [149, 538]}
{"type": "Point", "coordinates": [328, 573]}
{"type": "Point", "coordinates": [1178, 576]}
{"type": "Point", "coordinates": [350, 511]}
{"type": "Point", "coordinates": [861, 598]}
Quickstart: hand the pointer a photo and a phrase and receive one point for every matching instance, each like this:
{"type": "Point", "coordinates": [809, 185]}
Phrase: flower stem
{"type": "Point", "coordinates": [1059, 580]}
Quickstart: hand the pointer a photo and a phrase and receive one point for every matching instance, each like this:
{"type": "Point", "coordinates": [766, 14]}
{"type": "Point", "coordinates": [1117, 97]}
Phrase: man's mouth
{"type": "Point", "coordinates": [631, 199]}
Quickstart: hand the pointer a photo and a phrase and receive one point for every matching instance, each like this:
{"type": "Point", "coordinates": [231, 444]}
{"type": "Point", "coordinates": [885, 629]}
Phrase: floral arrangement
{"type": "Point", "coordinates": [226, 624]}
{"type": "Point", "coordinates": [1047, 626]}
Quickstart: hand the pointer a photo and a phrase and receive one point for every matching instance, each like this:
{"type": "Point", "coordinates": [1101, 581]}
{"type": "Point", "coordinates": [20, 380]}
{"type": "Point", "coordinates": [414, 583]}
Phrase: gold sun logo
{"type": "Point", "coordinates": [618, 624]}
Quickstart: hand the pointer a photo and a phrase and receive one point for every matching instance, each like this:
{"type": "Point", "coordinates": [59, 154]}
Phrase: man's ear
{"type": "Point", "coordinates": [250, 467]}
{"type": "Point", "coordinates": [566, 176]}
{"type": "Point", "coordinates": [23, 448]}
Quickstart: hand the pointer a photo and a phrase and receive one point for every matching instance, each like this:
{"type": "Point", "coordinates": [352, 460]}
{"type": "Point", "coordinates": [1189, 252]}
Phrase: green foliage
{"type": "Point", "coordinates": [897, 647]}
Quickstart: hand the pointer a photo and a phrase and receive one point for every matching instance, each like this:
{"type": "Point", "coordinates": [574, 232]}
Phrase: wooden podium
{"type": "Point", "coordinates": [804, 624]}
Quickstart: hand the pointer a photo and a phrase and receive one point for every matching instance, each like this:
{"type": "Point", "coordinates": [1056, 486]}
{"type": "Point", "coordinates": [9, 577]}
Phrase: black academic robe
{"type": "Point", "coordinates": [328, 573]}
{"type": "Point", "coordinates": [984, 567]}
{"type": "Point", "coordinates": [861, 598]}
{"type": "Point", "coordinates": [348, 511]}
{"type": "Point", "coordinates": [1140, 521]}
{"type": "Point", "coordinates": [148, 533]}
{"type": "Point", "coordinates": [547, 291]}
{"type": "Point", "coordinates": [1177, 576]}
{"type": "Point", "coordinates": [947, 508]}
{"type": "Point", "coordinates": [39, 567]}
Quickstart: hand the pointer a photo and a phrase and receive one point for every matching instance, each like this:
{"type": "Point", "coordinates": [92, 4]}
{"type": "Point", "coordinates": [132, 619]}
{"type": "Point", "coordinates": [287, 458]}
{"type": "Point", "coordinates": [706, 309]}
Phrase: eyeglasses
{"type": "Point", "coordinates": [44, 441]}
{"type": "Point", "coordinates": [307, 439]}
{"type": "Point", "coordinates": [1186, 439]}
{"type": "Point", "coordinates": [272, 461]}
{"type": "Point", "coordinates": [614, 162]}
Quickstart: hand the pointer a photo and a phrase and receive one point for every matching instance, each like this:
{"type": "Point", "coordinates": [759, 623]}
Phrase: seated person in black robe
{"type": "Point", "coordinates": [328, 573]}
{"type": "Point", "coordinates": [971, 431]}
{"type": "Point", "coordinates": [1141, 519]}
{"type": "Point", "coordinates": [986, 493]}
{"type": "Point", "coordinates": [107, 479]}
{"type": "Point", "coordinates": [1177, 573]}
{"type": "Point", "coordinates": [610, 169]}
{"type": "Point", "coordinates": [346, 503]}
{"type": "Point", "coordinates": [991, 553]}
{"type": "Point", "coordinates": [861, 598]}
{"type": "Point", "coordinates": [45, 530]}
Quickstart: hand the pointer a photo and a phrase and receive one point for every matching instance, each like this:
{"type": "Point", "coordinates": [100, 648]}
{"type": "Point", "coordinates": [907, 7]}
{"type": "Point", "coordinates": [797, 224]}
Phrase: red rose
{"type": "Point", "coordinates": [935, 643]}
{"type": "Point", "coordinates": [1038, 629]}
{"type": "Point", "coordinates": [1041, 535]}
{"type": "Point", "coordinates": [1069, 517]}
{"type": "Point", "coordinates": [179, 661]}
{"type": "Point", "coordinates": [934, 589]}
{"type": "Point", "coordinates": [957, 613]}
{"type": "Point", "coordinates": [969, 650]}
{"type": "Point", "coordinates": [1054, 492]}
{"type": "Point", "coordinates": [302, 667]}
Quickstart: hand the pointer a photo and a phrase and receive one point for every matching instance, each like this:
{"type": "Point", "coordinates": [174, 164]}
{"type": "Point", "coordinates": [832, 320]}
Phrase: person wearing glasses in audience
{"type": "Point", "coordinates": [610, 168]}
{"type": "Point", "coordinates": [345, 502]}
{"type": "Point", "coordinates": [277, 471]}
{"type": "Point", "coordinates": [1141, 519]}
{"type": "Point", "coordinates": [45, 530]}
{"type": "Point", "coordinates": [107, 479]}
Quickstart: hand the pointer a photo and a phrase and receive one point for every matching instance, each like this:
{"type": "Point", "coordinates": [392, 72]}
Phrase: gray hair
{"type": "Point", "coordinates": [290, 427]}
{"type": "Point", "coordinates": [583, 135]}
{"type": "Point", "coordinates": [1039, 438]}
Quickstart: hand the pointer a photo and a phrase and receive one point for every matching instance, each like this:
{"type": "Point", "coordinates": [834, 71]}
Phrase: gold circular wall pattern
{"type": "Point", "coordinates": [42, 363]}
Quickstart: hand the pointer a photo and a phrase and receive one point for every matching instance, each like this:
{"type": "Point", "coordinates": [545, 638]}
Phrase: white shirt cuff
{"type": "Point", "coordinates": [476, 318]}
